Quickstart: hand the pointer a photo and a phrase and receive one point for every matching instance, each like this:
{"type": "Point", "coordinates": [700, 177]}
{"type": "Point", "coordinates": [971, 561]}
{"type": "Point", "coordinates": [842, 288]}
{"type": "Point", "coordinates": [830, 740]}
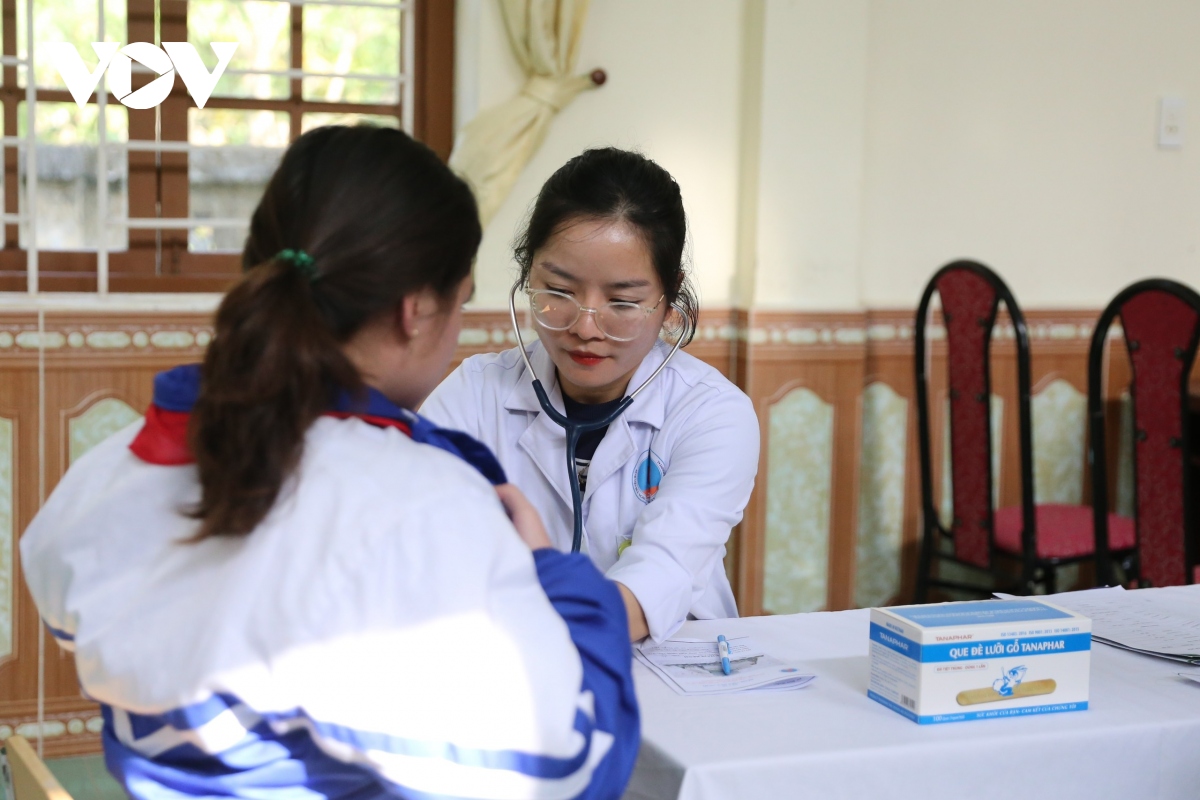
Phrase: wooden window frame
{"type": "Point", "coordinates": [159, 260]}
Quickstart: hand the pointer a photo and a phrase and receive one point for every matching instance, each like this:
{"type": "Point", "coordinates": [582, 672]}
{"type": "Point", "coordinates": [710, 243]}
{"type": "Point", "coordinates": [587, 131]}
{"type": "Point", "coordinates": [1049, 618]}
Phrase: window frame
{"type": "Point", "coordinates": [157, 259]}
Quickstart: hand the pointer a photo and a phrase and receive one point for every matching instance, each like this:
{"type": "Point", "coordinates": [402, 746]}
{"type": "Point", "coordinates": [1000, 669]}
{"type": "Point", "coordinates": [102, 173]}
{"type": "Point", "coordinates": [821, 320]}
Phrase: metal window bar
{"type": "Point", "coordinates": [31, 185]}
{"type": "Point", "coordinates": [400, 4]}
{"type": "Point", "coordinates": [102, 172]}
{"type": "Point", "coordinates": [138, 69]}
{"type": "Point", "coordinates": [408, 65]}
{"type": "Point", "coordinates": [164, 223]}
{"type": "Point", "coordinates": [28, 142]}
{"type": "Point", "coordinates": [300, 73]}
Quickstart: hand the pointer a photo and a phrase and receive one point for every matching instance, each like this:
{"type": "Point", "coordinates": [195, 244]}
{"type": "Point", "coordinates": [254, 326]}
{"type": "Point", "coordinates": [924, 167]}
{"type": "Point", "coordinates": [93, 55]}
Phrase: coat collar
{"type": "Point", "coordinates": [649, 408]}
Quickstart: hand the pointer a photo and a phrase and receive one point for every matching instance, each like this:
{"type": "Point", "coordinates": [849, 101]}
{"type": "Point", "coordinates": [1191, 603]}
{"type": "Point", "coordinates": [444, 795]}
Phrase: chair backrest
{"type": "Point", "coordinates": [28, 777]}
{"type": "Point", "coordinates": [1161, 323]}
{"type": "Point", "coordinates": [970, 295]}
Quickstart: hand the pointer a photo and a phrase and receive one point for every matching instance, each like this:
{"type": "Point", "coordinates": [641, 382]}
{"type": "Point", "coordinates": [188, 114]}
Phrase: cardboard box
{"type": "Point", "coordinates": [948, 662]}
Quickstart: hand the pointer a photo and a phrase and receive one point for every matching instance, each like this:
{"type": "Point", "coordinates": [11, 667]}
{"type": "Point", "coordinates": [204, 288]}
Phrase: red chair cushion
{"type": "Point", "coordinates": [1063, 531]}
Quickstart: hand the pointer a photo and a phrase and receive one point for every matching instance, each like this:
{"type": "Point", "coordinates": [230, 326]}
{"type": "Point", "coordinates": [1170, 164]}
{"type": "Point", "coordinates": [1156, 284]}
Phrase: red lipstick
{"type": "Point", "coordinates": [586, 359]}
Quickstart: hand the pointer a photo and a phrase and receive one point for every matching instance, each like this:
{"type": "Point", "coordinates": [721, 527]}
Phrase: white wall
{"type": "Point", "coordinates": [811, 154]}
{"type": "Point", "coordinates": [1022, 133]}
{"type": "Point", "coordinates": [672, 92]}
{"type": "Point", "coordinates": [894, 135]}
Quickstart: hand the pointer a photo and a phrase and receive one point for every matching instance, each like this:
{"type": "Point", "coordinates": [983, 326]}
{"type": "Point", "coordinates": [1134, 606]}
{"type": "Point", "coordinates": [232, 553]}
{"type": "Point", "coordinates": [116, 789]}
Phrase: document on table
{"type": "Point", "coordinates": [692, 667]}
{"type": "Point", "coordinates": [1156, 622]}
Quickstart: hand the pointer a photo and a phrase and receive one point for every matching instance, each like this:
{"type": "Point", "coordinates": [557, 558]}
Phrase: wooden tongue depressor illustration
{"type": "Point", "coordinates": [975, 696]}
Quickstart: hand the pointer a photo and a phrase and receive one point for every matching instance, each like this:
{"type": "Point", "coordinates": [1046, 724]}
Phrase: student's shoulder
{"type": "Point", "coordinates": [402, 491]}
{"type": "Point", "coordinates": [386, 469]}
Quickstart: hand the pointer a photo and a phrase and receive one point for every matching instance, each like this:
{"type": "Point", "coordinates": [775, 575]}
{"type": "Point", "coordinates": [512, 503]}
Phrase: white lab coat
{"type": "Point", "coordinates": [698, 429]}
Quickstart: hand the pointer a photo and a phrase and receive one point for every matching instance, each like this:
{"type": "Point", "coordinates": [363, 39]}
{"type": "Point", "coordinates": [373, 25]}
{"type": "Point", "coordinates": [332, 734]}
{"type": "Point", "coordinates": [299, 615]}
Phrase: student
{"type": "Point", "coordinates": [602, 260]}
{"type": "Point", "coordinates": [286, 583]}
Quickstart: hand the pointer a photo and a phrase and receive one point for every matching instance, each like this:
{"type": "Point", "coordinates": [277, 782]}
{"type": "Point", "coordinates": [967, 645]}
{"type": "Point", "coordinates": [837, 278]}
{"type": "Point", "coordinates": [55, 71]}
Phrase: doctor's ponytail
{"type": "Point", "coordinates": [353, 220]}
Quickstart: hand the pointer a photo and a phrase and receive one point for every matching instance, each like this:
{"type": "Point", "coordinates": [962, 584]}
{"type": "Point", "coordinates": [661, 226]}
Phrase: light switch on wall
{"type": "Point", "coordinates": [1170, 122]}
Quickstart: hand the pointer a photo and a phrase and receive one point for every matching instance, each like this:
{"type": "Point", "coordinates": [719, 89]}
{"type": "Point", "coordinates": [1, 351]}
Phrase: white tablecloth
{"type": "Point", "coordinates": [1140, 737]}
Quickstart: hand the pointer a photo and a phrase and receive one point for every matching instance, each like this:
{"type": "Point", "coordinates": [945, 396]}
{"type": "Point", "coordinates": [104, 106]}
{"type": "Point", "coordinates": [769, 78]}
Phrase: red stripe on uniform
{"type": "Point", "coordinates": [163, 439]}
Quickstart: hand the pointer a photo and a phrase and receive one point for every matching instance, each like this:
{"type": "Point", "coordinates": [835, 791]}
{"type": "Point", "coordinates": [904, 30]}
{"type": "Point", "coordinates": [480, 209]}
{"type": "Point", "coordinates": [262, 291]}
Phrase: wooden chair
{"type": "Point", "coordinates": [26, 777]}
{"type": "Point", "coordinates": [1161, 323]}
{"type": "Point", "coordinates": [1035, 538]}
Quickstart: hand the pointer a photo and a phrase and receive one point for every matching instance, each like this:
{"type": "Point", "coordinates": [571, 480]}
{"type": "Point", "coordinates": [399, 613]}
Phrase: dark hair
{"type": "Point", "coordinates": [608, 183]}
{"type": "Point", "coordinates": [381, 217]}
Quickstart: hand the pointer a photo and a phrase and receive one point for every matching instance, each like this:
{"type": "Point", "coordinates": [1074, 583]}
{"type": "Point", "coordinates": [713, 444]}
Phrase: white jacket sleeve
{"type": "Point", "coordinates": [485, 697]}
{"type": "Point", "coordinates": [679, 538]}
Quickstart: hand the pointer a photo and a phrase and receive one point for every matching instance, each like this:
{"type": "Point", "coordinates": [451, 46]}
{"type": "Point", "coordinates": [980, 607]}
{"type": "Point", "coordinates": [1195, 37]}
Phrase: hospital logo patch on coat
{"type": "Point", "coordinates": [648, 476]}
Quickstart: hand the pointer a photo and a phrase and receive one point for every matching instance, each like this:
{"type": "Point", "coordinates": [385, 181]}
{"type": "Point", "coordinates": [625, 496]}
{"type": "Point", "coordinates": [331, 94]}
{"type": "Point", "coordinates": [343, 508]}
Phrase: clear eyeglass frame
{"type": "Point", "coordinates": [638, 322]}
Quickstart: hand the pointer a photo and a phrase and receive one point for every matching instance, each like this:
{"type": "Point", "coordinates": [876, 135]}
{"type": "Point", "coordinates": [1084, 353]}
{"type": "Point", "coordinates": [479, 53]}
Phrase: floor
{"type": "Point", "coordinates": [84, 778]}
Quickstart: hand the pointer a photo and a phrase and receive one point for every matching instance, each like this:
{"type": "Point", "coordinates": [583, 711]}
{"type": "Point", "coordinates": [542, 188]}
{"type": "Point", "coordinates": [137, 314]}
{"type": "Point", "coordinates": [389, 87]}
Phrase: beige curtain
{"type": "Point", "coordinates": [495, 146]}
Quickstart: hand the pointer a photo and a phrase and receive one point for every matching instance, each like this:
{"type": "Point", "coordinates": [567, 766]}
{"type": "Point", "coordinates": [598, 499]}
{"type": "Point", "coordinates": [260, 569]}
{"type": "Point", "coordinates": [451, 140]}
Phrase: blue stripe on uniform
{"type": "Point", "coordinates": [264, 750]}
{"type": "Point", "coordinates": [62, 636]}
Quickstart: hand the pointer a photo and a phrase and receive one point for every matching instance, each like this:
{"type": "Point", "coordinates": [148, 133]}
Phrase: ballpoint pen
{"type": "Point", "coordinates": [723, 651]}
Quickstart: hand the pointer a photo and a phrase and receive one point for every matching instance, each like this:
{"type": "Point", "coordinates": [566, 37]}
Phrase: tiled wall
{"type": "Point", "coordinates": [832, 522]}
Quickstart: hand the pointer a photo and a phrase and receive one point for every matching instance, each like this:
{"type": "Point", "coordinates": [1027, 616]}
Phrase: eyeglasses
{"type": "Point", "coordinates": [616, 319]}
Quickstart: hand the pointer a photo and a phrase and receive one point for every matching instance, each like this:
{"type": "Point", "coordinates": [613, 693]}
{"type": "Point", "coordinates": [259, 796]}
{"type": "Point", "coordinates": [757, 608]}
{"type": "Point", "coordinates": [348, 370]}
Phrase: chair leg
{"type": "Point", "coordinates": [1029, 579]}
{"type": "Point", "coordinates": [1051, 580]}
{"type": "Point", "coordinates": [1129, 566]}
{"type": "Point", "coordinates": [924, 562]}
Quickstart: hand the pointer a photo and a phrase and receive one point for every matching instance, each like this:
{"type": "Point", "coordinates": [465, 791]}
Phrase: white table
{"type": "Point", "coordinates": [1140, 738]}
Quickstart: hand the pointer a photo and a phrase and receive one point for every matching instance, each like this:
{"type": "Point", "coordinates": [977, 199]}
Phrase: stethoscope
{"type": "Point", "coordinates": [573, 428]}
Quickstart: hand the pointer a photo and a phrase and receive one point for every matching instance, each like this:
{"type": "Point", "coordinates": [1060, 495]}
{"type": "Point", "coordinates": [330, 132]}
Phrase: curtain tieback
{"type": "Point", "coordinates": [555, 92]}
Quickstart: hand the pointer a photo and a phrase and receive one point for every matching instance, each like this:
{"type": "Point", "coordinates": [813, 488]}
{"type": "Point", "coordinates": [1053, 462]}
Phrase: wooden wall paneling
{"type": "Point", "coordinates": [485, 332]}
{"type": "Point", "coordinates": [823, 353]}
{"type": "Point", "coordinates": [100, 357]}
{"type": "Point", "coordinates": [751, 550]}
{"type": "Point", "coordinates": [715, 341]}
{"type": "Point", "coordinates": [889, 360]}
{"type": "Point", "coordinates": [19, 401]}
{"type": "Point", "coordinates": [743, 568]}
{"type": "Point", "coordinates": [90, 359]}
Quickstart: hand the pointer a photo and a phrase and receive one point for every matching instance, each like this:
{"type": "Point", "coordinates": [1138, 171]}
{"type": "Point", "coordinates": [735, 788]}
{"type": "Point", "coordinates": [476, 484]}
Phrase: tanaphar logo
{"type": "Point", "coordinates": [179, 57]}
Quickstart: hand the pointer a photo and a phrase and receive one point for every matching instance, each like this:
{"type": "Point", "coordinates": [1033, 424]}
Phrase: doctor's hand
{"type": "Point", "coordinates": [524, 516]}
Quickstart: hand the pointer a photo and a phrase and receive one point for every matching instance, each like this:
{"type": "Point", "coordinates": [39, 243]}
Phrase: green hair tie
{"type": "Point", "coordinates": [301, 261]}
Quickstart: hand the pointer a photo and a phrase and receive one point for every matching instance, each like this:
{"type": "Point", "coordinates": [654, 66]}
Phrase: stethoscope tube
{"type": "Point", "coordinates": [573, 429]}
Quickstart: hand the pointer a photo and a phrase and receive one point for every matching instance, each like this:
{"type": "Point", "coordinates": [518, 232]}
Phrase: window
{"type": "Point", "coordinates": [105, 182]}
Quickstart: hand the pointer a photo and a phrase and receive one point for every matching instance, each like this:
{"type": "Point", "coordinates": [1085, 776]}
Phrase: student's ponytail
{"type": "Point", "coordinates": [268, 375]}
{"type": "Point", "coordinates": [353, 220]}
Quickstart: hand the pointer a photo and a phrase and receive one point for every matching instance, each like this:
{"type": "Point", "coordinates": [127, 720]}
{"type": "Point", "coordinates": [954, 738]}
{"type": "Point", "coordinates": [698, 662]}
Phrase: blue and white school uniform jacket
{"type": "Point", "coordinates": [382, 633]}
{"type": "Point", "coordinates": [668, 482]}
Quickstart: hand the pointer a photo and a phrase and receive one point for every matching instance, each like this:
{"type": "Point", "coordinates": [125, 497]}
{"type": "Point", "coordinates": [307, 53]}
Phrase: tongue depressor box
{"type": "Point", "coordinates": [948, 662]}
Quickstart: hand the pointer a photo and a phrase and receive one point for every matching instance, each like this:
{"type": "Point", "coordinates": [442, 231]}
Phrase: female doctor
{"type": "Point", "coordinates": [601, 261]}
